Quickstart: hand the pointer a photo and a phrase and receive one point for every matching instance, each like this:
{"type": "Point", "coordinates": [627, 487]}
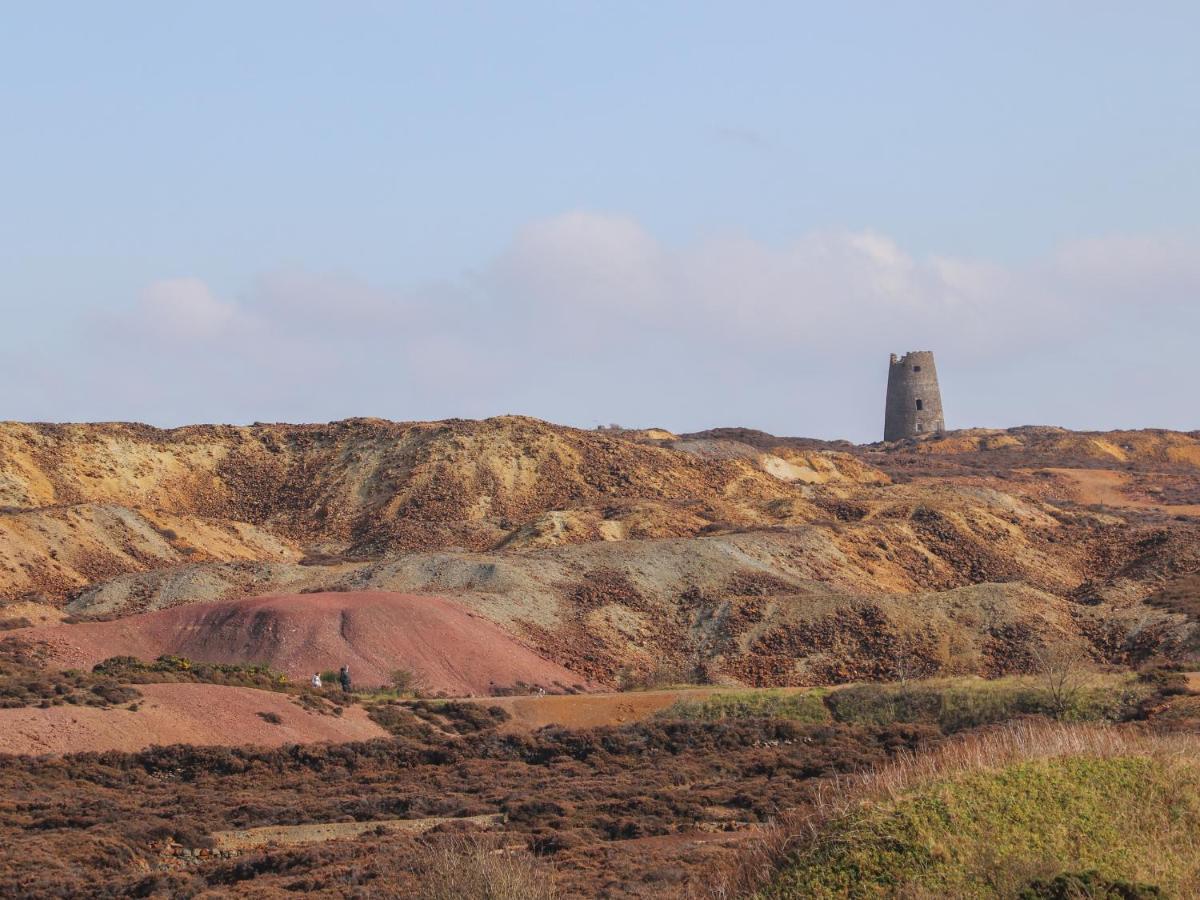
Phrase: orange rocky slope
{"type": "Point", "coordinates": [86, 502]}
{"type": "Point", "coordinates": [770, 560]}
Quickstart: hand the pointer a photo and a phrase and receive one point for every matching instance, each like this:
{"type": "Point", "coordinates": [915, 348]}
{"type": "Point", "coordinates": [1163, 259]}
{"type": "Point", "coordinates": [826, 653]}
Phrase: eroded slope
{"type": "Point", "coordinates": [731, 554]}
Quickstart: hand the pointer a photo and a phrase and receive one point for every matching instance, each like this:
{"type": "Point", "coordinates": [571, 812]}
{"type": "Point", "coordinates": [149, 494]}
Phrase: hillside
{"type": "Point", "coordinates": [752, 558]}
{"type": "Point", "coordinates": [83, 502]}
{"type": "Point", "coordinates": [1037, 812]}
{"type": "Point", "coordinates": [448, 649]}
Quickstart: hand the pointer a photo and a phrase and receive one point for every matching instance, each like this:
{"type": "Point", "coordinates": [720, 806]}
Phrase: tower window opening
{"type": "Point", "coordinates": [920, 405]}
{"type": "Point", "coordinates": [918, 426]}
{"type": "Point", "coordinates": [916, 368]}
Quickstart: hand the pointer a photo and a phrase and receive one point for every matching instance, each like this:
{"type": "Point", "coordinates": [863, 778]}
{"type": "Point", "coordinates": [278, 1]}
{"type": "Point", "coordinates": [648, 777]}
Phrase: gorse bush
{"type": "Point", "coordinates": [1089, 885]}
{"type": "Point", "coordinates": [420, 718]}
{"type": "Point", "coordinates": [24, 682]}
{"type": "Point", "coordinates": [951, 704]}
{"type": "Point", "coordinates": [800, 706]}
{"type": "Point", "coordinates": [956, 705]}
{"type": "Point", "coordinates": [179, 668]}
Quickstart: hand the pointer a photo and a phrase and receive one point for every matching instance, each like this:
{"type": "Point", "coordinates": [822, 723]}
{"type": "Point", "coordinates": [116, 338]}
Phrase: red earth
{"type": "Point", "coordinates": [448, 647]}
{"type": "Point", "coordinates": [179, 714]}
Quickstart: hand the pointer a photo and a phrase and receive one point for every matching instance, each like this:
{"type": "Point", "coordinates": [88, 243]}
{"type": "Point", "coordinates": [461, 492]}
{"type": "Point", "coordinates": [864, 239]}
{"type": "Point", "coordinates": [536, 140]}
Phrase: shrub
{"type": "Point", "coordinates": [956, 705]}
{"type": "Point", "coordinates": [404, 681]}
{"type": "Point", "coordinates": [1062, 673]}
{"type": "Point", "coordinates": [1088, 886]}
{"type": "Point", "coordinates": [661, 675]}
{"type": "Point", "coordinates": [1167, 680]}
{"type": "Point", "coordinates": [25, 682]}
{"type": "Point", "coordinates": [459, 717]}
{"type": "Point", "coordinates": [991, 814]}
{"type": "Point", "coordinates": [398, 720]}
{"type": "Point", "coordinates": [475, 868]}
{"type": "Point", "coordinates": [800, 706]}
{"type": "Point", "coordinates": [951, 704]}
{"type": "Point", "coordinates": [273, 717]}
{"type": "Point", "coordinates": [180, 668]}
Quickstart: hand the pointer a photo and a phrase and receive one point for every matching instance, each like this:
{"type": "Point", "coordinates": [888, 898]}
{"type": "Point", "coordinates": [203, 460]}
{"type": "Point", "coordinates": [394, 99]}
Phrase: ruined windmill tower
{"type": "Point", "coordinates": [914, 403]}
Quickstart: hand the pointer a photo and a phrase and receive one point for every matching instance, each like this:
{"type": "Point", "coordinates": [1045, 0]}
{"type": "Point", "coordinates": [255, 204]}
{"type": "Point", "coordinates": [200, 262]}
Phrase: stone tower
{"type": "Point", "coordinates": [914, 403]}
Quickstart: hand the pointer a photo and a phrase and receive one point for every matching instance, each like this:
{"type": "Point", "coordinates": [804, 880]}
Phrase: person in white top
{"type": "Point", "coordinates": [316, 680]}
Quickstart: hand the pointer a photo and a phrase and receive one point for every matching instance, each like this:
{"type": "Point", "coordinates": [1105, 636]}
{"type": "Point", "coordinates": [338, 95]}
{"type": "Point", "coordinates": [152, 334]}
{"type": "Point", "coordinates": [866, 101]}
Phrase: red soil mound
{"type": "Point", "coordinates": [203, 714]}
{"type": "Point", "coordinates": [449, 648]}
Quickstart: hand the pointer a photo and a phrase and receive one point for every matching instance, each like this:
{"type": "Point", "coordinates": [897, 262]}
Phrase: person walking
{"type": "Point", "coordinates": [344, 678]}
{"type": "Point", "coordinates": [316, 680]}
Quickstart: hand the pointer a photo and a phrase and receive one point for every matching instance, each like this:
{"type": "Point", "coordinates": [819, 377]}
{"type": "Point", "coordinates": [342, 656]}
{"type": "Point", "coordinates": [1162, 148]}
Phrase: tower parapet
{"type": "Point", "coordinates": [914, 401]}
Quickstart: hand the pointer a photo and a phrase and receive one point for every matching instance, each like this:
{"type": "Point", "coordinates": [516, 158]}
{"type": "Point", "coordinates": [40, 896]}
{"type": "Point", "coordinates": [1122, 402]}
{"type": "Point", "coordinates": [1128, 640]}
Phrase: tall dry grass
{"type": "Point", "coordinates": [473, 867]}
{"type": "Point", "coordinates": [757, 862]}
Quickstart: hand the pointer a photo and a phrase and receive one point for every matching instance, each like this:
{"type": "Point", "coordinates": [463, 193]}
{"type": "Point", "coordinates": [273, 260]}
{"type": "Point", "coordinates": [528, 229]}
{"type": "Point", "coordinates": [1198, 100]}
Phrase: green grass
{"type": "Point", "coordinates": [954, 704]}
{"type": "Point", "coordinates": [994, 833]}
{"type": "Point", "coordinates": [960, 703]}
{"type": "Point", "coordinates": [800, 706]}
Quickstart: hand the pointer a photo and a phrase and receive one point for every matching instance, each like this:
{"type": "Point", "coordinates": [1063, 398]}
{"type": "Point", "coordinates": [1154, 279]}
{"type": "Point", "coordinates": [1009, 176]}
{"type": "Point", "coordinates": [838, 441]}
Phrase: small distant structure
{"type": "Point", "coordinates": [914, 401]}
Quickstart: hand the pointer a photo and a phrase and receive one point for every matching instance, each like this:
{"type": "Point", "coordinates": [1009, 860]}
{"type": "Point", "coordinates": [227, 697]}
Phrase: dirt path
{"type": "Point", "coordinates": [1107, 487]}
{"type": "Point", "coordinates": [178, 714]}
{"type": "Point", "coordinates": [286, 835]}
{"type": "Point", "coordinates": [591, 710]}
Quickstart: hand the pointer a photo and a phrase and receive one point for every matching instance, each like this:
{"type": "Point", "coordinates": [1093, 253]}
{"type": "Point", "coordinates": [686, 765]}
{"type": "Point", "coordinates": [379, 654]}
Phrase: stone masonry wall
{"type": "Point", "coordinates": [914, 401]}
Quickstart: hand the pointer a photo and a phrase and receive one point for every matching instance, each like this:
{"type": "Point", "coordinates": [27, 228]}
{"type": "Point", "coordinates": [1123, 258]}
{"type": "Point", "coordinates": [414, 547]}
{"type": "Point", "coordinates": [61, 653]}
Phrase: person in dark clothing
{"type": "Point", "coordinates": [344, 678]}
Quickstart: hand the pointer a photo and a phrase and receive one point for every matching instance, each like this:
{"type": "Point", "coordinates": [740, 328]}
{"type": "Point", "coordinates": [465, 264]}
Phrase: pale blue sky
{"type": "Point", "coordinates": [656, 213]}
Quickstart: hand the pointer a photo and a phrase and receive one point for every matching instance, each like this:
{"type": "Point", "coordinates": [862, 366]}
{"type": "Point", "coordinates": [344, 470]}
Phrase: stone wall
{"type": "Point", "coordinates": [914, 402]}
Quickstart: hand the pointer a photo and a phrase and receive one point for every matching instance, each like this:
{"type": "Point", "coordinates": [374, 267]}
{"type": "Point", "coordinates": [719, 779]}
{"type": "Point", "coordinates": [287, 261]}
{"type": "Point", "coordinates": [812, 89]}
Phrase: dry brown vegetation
{"type": "Point", "coordinates": [645, 810]}
{"type": "Point", "coordinates": [608, 806]}
{"type": "Point", "coordinates": [25, 681]}
{"type": "Point", "coordinates": [620, 554]}
{"type": "Point", "coordinates": [625, 558]}
{"type": "Point", "coordinates": [461, 867]}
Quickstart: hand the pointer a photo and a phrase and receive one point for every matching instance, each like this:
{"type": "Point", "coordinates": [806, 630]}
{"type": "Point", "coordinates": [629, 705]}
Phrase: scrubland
{"type": "Point", "coordinates": [958, 666]}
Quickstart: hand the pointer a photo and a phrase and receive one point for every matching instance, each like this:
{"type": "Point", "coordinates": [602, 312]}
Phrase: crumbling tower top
{"type": "Point", "coordinates": [914, 401]}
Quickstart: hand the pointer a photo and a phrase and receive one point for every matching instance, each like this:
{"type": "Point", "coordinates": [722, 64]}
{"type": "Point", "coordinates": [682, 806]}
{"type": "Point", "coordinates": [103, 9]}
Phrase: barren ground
{"type": "Point", "coordinates": [178, 714]}
{"type": "Point", "coordinates": [374, 632]}
{"type": "Point", "coordinates": [490, 558]}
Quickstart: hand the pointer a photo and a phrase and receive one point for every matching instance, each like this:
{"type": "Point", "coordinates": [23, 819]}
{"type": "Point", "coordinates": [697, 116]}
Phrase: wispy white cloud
{"type": "Point", "coordinates": [588, 316]}
{"type": "Point", "coordinates": [184, 309]}
{"type": "Point", "coordinates": [835, 291]}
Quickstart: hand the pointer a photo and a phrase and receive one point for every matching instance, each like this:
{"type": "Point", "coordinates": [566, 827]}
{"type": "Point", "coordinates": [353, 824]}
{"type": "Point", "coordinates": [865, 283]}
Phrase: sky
{"type": "Point", "coordinates": [681, 215]}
